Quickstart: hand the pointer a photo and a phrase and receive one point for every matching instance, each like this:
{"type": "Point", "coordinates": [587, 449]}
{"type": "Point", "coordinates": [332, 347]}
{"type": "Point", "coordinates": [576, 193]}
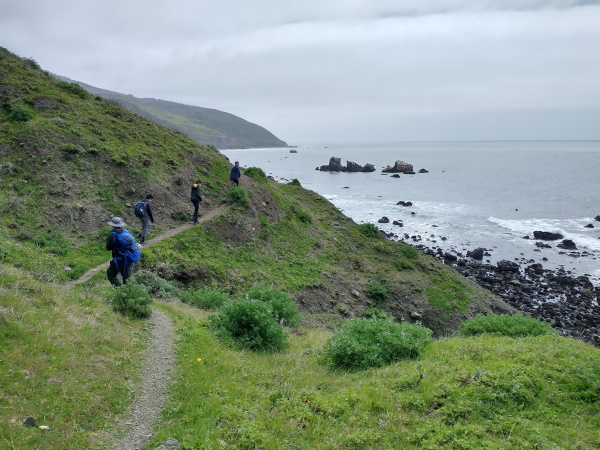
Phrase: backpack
{"type": "Point", "coordinates": [127, 247]}
{"type": "Point", "coordinates": [140, 208]}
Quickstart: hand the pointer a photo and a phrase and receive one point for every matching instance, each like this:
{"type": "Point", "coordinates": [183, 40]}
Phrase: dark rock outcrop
{"type": "Point", "coordinates": [567, 244]}
{"type": "Point", "coordinates": [335, 165]}
{"type": "Point", "coordinates": [403, 203]}
{"type": "Point", "coordinates": [423, 171]}
{"type": "Point", "coordinates": [476, 254]}
{"type": "Point", "coordinates": [547, 235]}
{"type": "Point", "coordinates": [384, 220]}
{"type": "Point", "coordinates": [399, 167]}
{"type": "Point", "coordinates": [507, 266]}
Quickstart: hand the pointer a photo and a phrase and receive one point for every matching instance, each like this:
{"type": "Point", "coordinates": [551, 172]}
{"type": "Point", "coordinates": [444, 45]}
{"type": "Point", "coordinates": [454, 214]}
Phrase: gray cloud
{"type": "Point", "coordinates": [336, 70]}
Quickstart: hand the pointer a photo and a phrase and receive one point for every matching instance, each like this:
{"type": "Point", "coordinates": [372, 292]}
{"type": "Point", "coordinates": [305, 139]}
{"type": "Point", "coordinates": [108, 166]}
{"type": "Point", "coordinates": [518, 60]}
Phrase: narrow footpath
{"type": "Point", "coordinates": [159, 362]}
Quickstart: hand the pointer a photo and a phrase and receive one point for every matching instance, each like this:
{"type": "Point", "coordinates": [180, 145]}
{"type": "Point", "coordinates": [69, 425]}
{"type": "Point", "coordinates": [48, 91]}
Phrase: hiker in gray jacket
{"type": "Point", "coordinates": [144, 212]}
{"type": "Point", "coordinates": [196, 197]}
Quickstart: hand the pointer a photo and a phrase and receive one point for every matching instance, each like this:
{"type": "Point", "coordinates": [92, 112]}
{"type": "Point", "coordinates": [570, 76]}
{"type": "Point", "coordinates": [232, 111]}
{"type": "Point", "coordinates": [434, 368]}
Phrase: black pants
{"type": "Point", "coordinates": [196, 206]}
{"type": "Point", "coordinates": [114, 270]}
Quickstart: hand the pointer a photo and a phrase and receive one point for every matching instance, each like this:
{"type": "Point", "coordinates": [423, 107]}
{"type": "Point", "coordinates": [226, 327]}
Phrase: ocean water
{"type": "Point", "coordinates": [475, 194]}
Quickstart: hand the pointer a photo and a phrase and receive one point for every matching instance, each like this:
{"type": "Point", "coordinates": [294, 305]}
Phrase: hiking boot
{"type": "Point", "coordinates": [196, 222]}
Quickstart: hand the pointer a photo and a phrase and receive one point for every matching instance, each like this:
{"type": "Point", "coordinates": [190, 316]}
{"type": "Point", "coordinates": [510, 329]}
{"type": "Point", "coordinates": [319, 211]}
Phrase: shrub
{"type": "Point", "coordinates": [282, 307]}
{"type": "Point", "coordinates": [517, 325]}
{"type": "Point", "coordinates": [403, 264]}
{"type": "Point", "coordinates": [179, 216]}
{"type": "Point", "coordinates": [303, 216]}
{"type": "Point", "coordinates": [363, 343]}
{"type": "Point", "coordinates": [236, 196]}
{"type": "Point", "coordinates": [33, 63]}
{"type": "Point", "coordinates": [20, 113]}
{"type": "Point", "coordinates": [409, 252]}
{"type": "Point", "coordinates": [156, 285]}
{"type": "Point", "coordinates": [378, 290]}
{"type": "Point", "coordinates": [255, 172]}
{"type": "Point", "coordinates": [54, 242]}
{"type": "Point", "coordinates": [67, 147]}
{"type": "Point", "coordinates": [369, 230]}
{"type": "Point", "coordinates": [74, 88]}
{"type": "Point", "coordinates": [131, 300]}
{"type": "Point", "coordinates": [249, 325]}
{"type": "Point", "coordinates": [376, 313]}
{"type": "Point", "coordinates": [204, 298]}
{"type": "Point", "coordinates": [295, 182]}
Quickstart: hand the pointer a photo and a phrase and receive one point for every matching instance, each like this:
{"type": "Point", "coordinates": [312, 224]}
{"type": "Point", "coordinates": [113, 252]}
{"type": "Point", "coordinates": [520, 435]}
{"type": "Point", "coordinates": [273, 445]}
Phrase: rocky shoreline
{"type": "Point", "coordinates": [570, 304]}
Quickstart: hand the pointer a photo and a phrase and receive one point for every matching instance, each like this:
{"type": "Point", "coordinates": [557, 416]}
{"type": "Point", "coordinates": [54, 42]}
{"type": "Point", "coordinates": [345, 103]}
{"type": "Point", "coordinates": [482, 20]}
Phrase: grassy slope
{"type": "Point", "coordinates": [483, 392]}
{"type": "Point", "coordinates": [76, 379]}
{"type": "Point", "coordinates": [205, 125]}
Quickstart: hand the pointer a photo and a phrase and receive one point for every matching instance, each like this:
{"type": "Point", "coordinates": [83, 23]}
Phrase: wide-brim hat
{"type": "Point", "coordinates": [117, 222]}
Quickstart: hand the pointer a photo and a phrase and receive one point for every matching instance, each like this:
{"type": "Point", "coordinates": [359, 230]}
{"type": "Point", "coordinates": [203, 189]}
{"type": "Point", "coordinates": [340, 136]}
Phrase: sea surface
{"type": "Point", "coordinates": [475, 194]}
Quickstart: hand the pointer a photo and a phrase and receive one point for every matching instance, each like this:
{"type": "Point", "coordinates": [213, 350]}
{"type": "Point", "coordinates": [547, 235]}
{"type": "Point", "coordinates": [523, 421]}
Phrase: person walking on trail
{"type": "Point", "coordinates": [118, 264]}
{"type": "Point", "coordinates": [235, 173]}
{"type": "Point", "coordinates": [144, 212]}
{"type": "Point", "coordinates": [196, 197]}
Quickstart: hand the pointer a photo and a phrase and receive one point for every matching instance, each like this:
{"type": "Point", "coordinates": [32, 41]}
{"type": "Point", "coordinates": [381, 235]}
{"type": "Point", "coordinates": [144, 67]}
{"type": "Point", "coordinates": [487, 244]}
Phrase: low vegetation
{"type": "Point", "coordinates": [296, 327]}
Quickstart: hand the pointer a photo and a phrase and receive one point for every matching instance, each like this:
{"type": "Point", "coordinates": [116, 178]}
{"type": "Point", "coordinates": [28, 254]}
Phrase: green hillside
{"type": "Point", "coordinates": [205, 125]}
{"type": "Point", "coordinates": [70, 160]}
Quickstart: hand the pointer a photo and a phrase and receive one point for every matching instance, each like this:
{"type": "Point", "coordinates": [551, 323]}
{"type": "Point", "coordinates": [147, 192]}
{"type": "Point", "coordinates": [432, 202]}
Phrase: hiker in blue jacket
{"type": "Point", "coordinates": [235, 173]}
{"type": "Point", "coordinates": [196, 197]}
{"type": "Point", "coordinates": [118, 267]}
{"type": "Point", "coordinates": [144, 213]}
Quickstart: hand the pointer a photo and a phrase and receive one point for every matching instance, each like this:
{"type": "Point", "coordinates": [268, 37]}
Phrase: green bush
{"type": "Point", "coordinates": [255, 172]}
{"type": "Point", "coordinates": [409, 252]}
{"type": "Point", "coordinates": [403, 264]}
{"type": "Point", "coordinates": [295, 182]}
{"type": "Point", "coordinates": [179, 216]}
{"type": "Point", "coordinates": [369, 230]}
{"type": "Point", "coordinates": [517, 325]}
{"type": "Point", "coordinates": [131, 300]}
{"type": "Point", "coordinates": [68, 147]}
{"type": "Point", "coordinates": [249, 325]}
{"type": "Point", "coordinates": [54, 242]}
{"type": "Point", "coordinates": [236, 196]}
{"type": "Point", "coordinates": [364, 343]}
{"type": "Point", "coordinates": [376, 313]}
{"type": "Point", "coordinates": [378, 290]}
{"type": "Point", "coordinates": [156, 285]}
{"type": "Point", "coordinates": [204, 298]}
{"type": "Point", "coordinates": [74, 88]}
{"type": "Point", "coordinates": [19, 113]}
{"type": "Point", "coordinates": [282, 307]}
{"type": "Point", "coordinates": [303, 216]}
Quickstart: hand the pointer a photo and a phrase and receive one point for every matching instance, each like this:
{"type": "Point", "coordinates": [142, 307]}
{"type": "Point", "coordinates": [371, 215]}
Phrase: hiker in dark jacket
{"type": "Point", "coordinates": [145, 217]}
{"type": "Point", "coordinates": [118, 267]}
{"type": "Point", "coordinates": [235, 173]}
{"type": "Point", "coordinates": [196, 197]}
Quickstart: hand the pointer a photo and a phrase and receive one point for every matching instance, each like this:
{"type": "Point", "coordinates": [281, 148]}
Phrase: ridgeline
{"type": "Point", "coordinates": [70, 160]}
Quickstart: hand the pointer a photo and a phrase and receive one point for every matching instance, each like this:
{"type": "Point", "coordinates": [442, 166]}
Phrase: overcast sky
{"type": "Point", "coordinates": [336, 70]}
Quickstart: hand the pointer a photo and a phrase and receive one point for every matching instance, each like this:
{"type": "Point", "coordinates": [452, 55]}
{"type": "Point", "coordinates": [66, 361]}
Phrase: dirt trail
{"type": "Point", "coordinates": [93, 271]}
{"type": "Point", "coordinates": [159, 362]}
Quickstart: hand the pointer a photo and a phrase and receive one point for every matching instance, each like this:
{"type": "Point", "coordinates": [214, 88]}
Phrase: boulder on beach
{"type": "Point", "coordinates": [399, 167]}
{"type": "Point", "coordinates": [476, 254]}
{"type": "Point", "coordinates": [383, 220]}
{"type": "Point", "coordinates": [567, 244]}
{"type": "Point", "coordinates": [507, 266]}
{"type": "Point", "coordinates": [547, 235]}
{"type": "Point", "coordinates": [589, 225]}
{"type": "Point", "coordinates": [423, 171]}
{"type": "Point", "coordinates": [403, 203]}
{"type": "Point", "coordinates": [597, 218]}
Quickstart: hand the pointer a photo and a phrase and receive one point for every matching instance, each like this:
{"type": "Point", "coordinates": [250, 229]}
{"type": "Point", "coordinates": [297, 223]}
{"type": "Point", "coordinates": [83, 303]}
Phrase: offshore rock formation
{"type": "Point", "coordinates": [399, 167]}
{"type": "Point", "coordinates": [335, 165]}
